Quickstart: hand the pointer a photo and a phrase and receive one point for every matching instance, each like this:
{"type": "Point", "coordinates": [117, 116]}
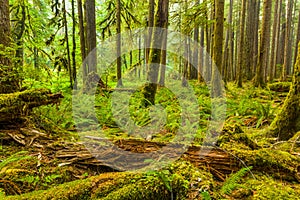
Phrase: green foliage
{"type": "Point", "coordinates": [36, 180]}
{"type": "Point", "coordinates": [5, 164]}
{"type": "Point", "coordinates": [231, 183]}
{"type": "Point", "coordinates": [205, 195]}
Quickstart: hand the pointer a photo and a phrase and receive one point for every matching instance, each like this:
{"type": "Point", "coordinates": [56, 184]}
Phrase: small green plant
{"type": "Point", "coordinates": [205, 195]}
{"type": "Point", "coordinates": [231, 183]}
{"type": "Point", "coordinates": [12, 159]}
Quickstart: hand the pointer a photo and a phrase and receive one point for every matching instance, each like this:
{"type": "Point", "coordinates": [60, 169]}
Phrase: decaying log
{"type": "Point", "coordinates": [16, 105]}
{"type": "Point", "coordinates": [105, 154]}
{"type": "Point", "coordinates": [220, 162]}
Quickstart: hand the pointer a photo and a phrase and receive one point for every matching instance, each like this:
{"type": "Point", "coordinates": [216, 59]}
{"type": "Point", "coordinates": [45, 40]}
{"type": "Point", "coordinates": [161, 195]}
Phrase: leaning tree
{"type": "Point", "coordinates": [287, 121]}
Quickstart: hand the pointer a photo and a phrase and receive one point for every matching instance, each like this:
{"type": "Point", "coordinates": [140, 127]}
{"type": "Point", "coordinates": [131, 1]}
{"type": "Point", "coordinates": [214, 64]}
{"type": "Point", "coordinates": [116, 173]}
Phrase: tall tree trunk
{"type": "Point", "coordinates": [8, 81]}
{"type": "Point", "coordinates": [150, 88]}
{"type": "Point", "coordinates": [82, 39]}
{"type": "Point", "coordinates": [298, 38]}
{"type": "Point", "coordinates": [287, 121]}
{"type": "Point", "coordinates": [264, 44]}
{"type": "Point", "coordinates": [67, 43]}
{"type": "Point", "coordinates": [227, 63]}
{"type": "Point", "coordinates": [218, 48]}
{"type": "Point", "coordinates": [249, 39]}
{"type": "Point", "coordinates": [195, 54]}
{"type": "Point", "coordinates": [163, 62]}
{"type": "Point", "coordinates": [275, 38]}
{"type": "Point", "coordinates": [201, 58]}
{"type": "Point", "coordinates": [280, 53]}
{"type": "Point", "coordinates": [118, 46]}
{"type": "Point", "coordinates": [74, 70]}
{"type": "Point", "coordinates": [254, 57]}
{"type": "Point", "coordinates": [150, 25]}
{"type": "Point", "coordinates": [287, 53]}
{"type": "Point", "coordinates": [91, 35]}
{"type": "Point", "coordinates": [240, 64]}
{"type": "Point", "coordinates": [278, 44]}
{"type": "Point", "coordinates": [207, 68]}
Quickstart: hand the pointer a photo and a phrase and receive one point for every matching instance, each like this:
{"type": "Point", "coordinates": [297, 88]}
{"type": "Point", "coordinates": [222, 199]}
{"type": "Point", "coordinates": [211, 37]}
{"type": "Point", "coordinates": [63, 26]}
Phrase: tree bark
{"type": "Point", "coordinates": [287, 121]}
{"type": "Point", "coordinates": [298, 38]}
{"type": "Point", "coordinates": [287, 48]}
{"type": "Point", "coordinates": [67, 43]}
{"type": "Point", "coordinates": [91, 35]}
{"type": "Point", "coordinates": [150, 88]}
{"type": "Point", "coordinates": [8, 79]}
{"type": "Point", "coordinates": [82, 39]}
{"type": "Point", "coordinates": [227, 56]}
{"type": "Point", "coordinates": [218, 48]}
{"type": "Point", "coordinates": [118, 46]}
{"type": "Point", "coordinates": [275, 38]}
{"type": "Point", "coordinates": [249, 39]}
{"type": "Point", "coordinates": [254, 57]}
{"type": "Point", "coordinates": [264, 44]}
{"type": "Point", "coordinates": [74, 70]}
{"type": "Point", "coordinates": [150, 26]}
{"type": "Point", "coordinates": [240, 64]}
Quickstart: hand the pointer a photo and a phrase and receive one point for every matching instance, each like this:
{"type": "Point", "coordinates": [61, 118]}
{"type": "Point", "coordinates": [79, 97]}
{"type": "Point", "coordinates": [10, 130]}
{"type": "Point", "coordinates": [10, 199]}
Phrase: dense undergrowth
{"type": "Point", "coordinates": [249, 112]}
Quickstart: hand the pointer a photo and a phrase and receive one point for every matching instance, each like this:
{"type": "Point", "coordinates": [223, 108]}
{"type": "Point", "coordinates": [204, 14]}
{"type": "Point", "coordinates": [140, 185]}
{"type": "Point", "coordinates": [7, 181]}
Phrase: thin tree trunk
{"type": "Point", "coordinates": [207, 68]}
{"type": "Point", "coordinates": [74, 70]}
{"type": "Point", "coordinates": [256, 34]}
{"type": "Point", "coordinates": [150, 25]}
{"type": "Point", "coordinates": [163, 62]}
{"type": "Point", "coordinates": [82, 39]}
{"type": "Point", "coordinates": [118, 46]}
{"type": "Point", "coordinates": [275, 37]}
{"type": "Point", "coordinates": [264, 43]}
{"type": "Point", "coordinates": [67, 43]}
{"type": "Point", "coordinates": [150, 88]}
{"type": "Point", "coordinates": [91, 35]}
{"type": "Point", "coordinates": [218, 48]}
{"type": "Point", "coordinates": [287, 52]}
{"type": "Point", "coordinates": [249, 39]}
{"type": "Point", "coordinates": [241, 46]}
{"type": "Point", "coordinates": [201, 58]}
{"type": "Point", "coordinates": [226, 66]}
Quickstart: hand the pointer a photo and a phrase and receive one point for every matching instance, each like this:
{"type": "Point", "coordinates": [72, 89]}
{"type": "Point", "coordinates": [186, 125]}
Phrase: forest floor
{"type": "Point", "coordinates": [45, 157]}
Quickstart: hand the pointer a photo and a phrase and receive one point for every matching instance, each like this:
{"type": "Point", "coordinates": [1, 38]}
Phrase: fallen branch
{"type": "Point", "coordinates": [16, 105]}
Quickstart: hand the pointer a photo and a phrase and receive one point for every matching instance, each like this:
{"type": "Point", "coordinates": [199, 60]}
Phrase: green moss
{"type": "Point", "coordinates": [280, 86]}
{"type": "Point", "coordinates": [177, 179]}
{"type": "Point", "coordinates": [265, 187]}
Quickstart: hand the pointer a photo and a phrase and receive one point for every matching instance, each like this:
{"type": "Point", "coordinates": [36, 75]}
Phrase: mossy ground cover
{"type": "Point", "coordinates": [249, 113]}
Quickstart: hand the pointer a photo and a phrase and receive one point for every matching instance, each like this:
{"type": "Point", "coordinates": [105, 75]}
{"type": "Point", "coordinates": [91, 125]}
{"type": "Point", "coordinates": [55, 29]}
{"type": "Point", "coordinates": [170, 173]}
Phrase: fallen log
{"type": "Point", "coordinates": [17, 105]}
{"type": "Point", "coordinates": [221, 163]}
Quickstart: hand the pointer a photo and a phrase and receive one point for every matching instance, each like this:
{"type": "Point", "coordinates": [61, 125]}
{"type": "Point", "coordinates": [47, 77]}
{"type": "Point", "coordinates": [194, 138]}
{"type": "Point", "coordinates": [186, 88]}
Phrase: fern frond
{"type": "Point", "coordinates": [232, 182]}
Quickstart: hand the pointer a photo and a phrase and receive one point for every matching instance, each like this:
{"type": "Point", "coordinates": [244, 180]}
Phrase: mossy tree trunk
{"type": "Point", "coordinates": [287, 122]}
{"type": "Point", "coordinates": [161, 18]}
{"type": "Point", "coordinates": [8, 81]}
{"type": "Point", "coordinates": [218, 48]}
